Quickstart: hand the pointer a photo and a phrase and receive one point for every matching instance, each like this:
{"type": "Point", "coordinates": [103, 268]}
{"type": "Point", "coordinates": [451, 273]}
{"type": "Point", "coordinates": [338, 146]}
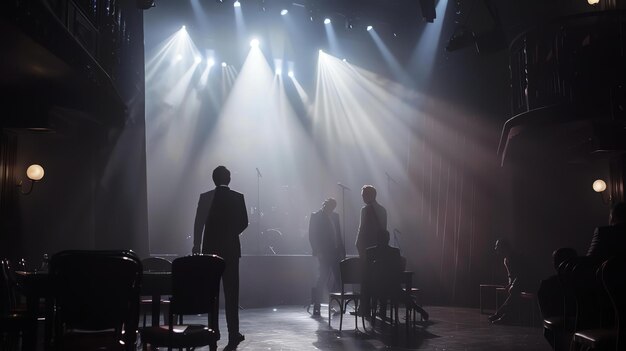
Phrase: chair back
{"type": "Point", "coordinates": [96, 290]}
{"type": "Point", "coordinates": [5, 288]}
{"type": "Point", "coordinates": [586, 288]}
{"type": "Point", "coordinates": [196, 284]}
{"type": "Point", "coordinates": [614, 280]}
{"type": "Point", "coordinates": [350, 270]}
{"type": "Point", "coordinates": [156, 264]}
{"type": "Point", "coordinates": [385, 280]}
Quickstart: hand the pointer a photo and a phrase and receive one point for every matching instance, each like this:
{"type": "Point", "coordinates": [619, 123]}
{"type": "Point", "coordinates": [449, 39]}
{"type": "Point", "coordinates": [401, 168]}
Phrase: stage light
{"type": "Point", "coordinates": [290, 74]}
{"type": "Point", "coordinates": [278, 71]}
{"type": "Point", "coordinates": [321, 51]}
{"type": "Point", "coordinates": [429, 12]}
{"type": "Point", "coordinates": [599, 186]}
{"type": "Point", "coordinates": [210, 62]}
{"type": "Point", "coordinates": [183, 28]}
{"type": "Point", "coordinates": [327, 21]}
{"type": "Point", "coordinates": [369, 28]}
{"type": "Point", "coordinates": [197, 59]}
{"type": "Point", "coordinates": [224, 64]}
{"type": "Point", "coordinates": [178, 58]}
{"type": "Point", "coordinates": [593, 2]}
{"type": "Point", "coordinates": [254, 43]}
{"type": "Point", "coordinates": [236, 3]}
{"type": "Point", "coordinates": [284, 12]}
{"type": "Point", "coordinates": [344, 60]}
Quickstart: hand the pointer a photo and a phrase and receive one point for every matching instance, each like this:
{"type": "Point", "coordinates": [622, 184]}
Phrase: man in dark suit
{"type": "Point", "coordinates": [222, 215]}
{"type": "Point", "coordinates": [373, 221]}
{"type": "Point", "coordinates": [328, 247]}
{"type": "Point", "coordinates": [610, 240]}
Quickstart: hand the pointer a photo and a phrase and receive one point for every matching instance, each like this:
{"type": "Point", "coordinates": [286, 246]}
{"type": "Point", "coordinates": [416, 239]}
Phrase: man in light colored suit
{"type": "Point", "coordinates": [220, 218]}
{"type": "Point", "coordinates": [327, 245]}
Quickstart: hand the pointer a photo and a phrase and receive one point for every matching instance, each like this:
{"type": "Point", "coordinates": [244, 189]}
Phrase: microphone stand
{"type": "Point", "coordinates": [343, 211]}
{"type": "Point", "coordinates": [258, 210]}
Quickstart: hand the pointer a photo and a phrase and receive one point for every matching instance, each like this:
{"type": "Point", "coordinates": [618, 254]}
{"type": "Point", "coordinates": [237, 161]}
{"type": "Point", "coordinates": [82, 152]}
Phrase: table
{"type": "Point", "coordinates": [156, 284]}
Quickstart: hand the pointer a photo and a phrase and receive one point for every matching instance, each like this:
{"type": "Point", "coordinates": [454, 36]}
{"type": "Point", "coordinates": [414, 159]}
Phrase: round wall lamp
{"type": "Point", "coordinates": [599, 185]}
{"type": "Point", "coordinates": [34, 173]}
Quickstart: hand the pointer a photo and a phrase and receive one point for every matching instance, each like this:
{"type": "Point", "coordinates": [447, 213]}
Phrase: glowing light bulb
{"type": "Point", "coordinates": [290, 74]}
{"type": "Point", "coordinates": [369, 28]}
{"type": "Point", "coordinates": [254, 43]}
{"type": "Point", "coordinates": [327, 21]}
{"type": "Point", "coordinates": [223, 64]}
{"type": "Point", "coordinates": [599, 186]}
{"type": "Point", "coordinates": [237, 4]}
{"type": "Point", "coordinates": [210, 62]}
{"type": "Point", "coordinates": [35, 172]}
{"type": "Point", "coordinates": [284, 12]}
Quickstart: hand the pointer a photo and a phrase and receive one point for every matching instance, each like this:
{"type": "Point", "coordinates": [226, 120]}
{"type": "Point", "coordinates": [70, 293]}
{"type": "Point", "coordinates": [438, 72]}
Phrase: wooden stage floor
{"type": "Point", "coordinates": [286, 328]}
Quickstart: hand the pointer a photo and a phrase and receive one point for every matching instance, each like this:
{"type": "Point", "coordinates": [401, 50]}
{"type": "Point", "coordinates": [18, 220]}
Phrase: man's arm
{"type": "Point", "coordinates": [595, 248]}
{"type": "Point", "coordinates": [242, 215]}
{"type": "Point", "coordinates": [202, 212]}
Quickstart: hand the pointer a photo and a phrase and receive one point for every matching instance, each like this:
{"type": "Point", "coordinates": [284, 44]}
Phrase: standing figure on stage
{"type": "Point", "coordinates": [373, 221]}
{"type": "Point", "coordinates": [327, 245]}
{"type": "Point", "coordinates": [222, 216]}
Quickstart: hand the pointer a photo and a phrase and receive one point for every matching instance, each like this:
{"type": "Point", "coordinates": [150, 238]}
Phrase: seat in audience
{"type": "Point", "coordinates": [195, 290]}
{"type": "Point", "coordinates": [96, 298]}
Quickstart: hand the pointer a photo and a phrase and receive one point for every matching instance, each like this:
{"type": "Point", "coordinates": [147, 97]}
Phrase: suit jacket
{"type": "Point", "coordinates": [220, 218]}
{"type": "Point", "coordinates": [607, 242]}
{"type": "Point", "coordinates": [325, 234]}
{"type": "Point", "coordinates": [373, 221]}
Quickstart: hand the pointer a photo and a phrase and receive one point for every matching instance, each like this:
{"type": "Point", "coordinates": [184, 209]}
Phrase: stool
{"type": "Point", "coordinates": [489, 287]}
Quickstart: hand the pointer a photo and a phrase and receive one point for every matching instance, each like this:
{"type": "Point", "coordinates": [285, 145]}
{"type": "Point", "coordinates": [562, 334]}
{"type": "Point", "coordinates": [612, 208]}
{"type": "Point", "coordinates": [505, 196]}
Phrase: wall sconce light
{"type": "Point", "coordinates": [599, 186]}
{"type": "Point", "coordinates": [34, 173]}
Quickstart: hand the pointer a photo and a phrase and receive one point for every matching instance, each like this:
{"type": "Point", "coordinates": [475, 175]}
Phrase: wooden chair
{"type": "Point", "coordinates": [350, 271]}
{"type": "Point", "coordinates": [613, 273]}
{"type": "Point", "coordinates": [195, 290]}
{"type": "Point", "coordinates": [96, 299]}
{"type": "Point", "coordinates": [154, 264]}
{"type": "Point", "coordinates": [13, 324]}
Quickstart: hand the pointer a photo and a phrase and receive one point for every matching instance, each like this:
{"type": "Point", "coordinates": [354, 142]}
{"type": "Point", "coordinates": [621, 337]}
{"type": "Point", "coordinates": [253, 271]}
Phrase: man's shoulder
{"type": "Point", "coordinates": [207, 194]}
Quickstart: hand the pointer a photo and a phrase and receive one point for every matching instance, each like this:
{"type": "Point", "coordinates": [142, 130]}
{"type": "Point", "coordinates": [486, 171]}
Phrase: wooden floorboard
{"type": "Point", "coordinates": [289, 328]}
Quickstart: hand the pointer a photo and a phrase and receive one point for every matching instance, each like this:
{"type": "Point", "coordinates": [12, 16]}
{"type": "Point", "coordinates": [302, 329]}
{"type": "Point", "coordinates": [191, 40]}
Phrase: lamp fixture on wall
{"type": "Point", "coordinates": [34, 173]}
{"type": "Point", "coordinates": [599, 186]}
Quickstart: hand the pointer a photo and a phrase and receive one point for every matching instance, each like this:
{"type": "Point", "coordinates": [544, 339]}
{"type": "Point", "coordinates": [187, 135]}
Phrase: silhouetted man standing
{"type": "Point", "coordinates": [373, 221]}
{"type": "Point", "coordinates": [223, 216]}
{"type": "Point", "coordinates": [610, 241]}
{"type": "Point", "coordinates": [327, 246]}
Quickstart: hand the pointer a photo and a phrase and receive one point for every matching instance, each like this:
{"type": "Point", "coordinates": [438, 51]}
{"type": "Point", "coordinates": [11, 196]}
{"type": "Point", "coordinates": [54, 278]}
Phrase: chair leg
{"type": "Point", "coordinates": [341, 312]}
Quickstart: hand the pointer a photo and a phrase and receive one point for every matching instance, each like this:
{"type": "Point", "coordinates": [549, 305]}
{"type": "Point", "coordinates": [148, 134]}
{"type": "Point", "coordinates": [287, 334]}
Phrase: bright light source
{"type": "Point", "coordinates": [327, 21]}
{"type": "Point", "coordinates": [178, 58]}
{"type": "Point", "coordinates": [279, 71]}
{"type": "Point", "coordinates": [290, 74]}
{"type": "Point", "coordinates": [599, 186]}
{"type": "Point", "coordinates": [197, 59]}
{"type": "Point", "coordinates": [593, 2]}
{"type": "Point", "coordinates": [321, 51]}
{"type": "Point", "coordinates": [344, 60]}
{"type": "Point", "coordinates": [369, 28]}
{"type": "Point", "coordinates": [237, 3]}
{"type": "Point", "coordinates": [210, 62]}
{"type": "Point", "coordinates": [284, 12]}
{"type": "Point", "coordinates": [34, 172]}
{"type": "Point", "coordinates": [223, 64]}
{"type": "Point", "coordinates": [254, 43]}
{"type": "Point", "coordinates": [183, 28]}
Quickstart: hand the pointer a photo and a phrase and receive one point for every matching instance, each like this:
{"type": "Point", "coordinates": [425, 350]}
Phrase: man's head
{"type": "Point", "coordinates": [368, 193]}
{"type": "Point", "coordinates": [618, 214]}
{"type": "Point", "coordinates": [383, 238]}
{"type": "Point", "coordinates": [329, 205]}
{"type": "Point", "coordinates": [221, 176]}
